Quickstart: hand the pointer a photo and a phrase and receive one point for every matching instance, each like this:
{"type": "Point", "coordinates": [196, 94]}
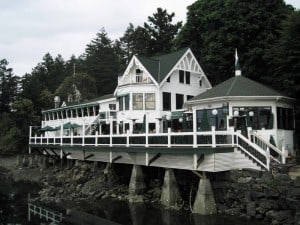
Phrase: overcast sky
{"type": "Point", "coordinates": [31, 28]}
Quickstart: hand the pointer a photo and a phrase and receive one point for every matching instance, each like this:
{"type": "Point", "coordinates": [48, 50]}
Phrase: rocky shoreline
{"type": "Point", "coordinates": [265, 196]}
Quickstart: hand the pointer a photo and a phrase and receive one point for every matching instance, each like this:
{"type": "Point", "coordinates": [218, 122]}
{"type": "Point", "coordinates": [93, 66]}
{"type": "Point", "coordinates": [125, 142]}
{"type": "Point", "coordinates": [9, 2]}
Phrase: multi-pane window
{"type": "Point", "coordinates": [123, 102]}
{"type": "Point", "coordinates": [255, 117]}
{"type": "Point", "coordinates": [112, 106]}
{"type": "Point", "coordinates": [166, 101]}
{"type": "Point", "coordinates": [285, 118]}
{"type": "Point", "coordinates": [149, 101]}
{"type": "Point", "coordinates": [137, 101]}
{"type": "Point", "coordinates": [179, 101]}
{"type": "Point", "coordinates": [184, 77]}
{"type": "Point", "coordinates": [206, 118]}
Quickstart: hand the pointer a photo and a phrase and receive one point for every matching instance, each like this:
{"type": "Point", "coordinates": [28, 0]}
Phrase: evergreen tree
{"type": "Point", "coordinates": [284, 58]}
{"type": "Point", "coordinates": [214, 28]}
{"type": "Point", "coordinates": [8, 86]}
{"type": "Point", "coordinates": [102, 63]}
{"type": "Point", "coordinates": [162, 32]}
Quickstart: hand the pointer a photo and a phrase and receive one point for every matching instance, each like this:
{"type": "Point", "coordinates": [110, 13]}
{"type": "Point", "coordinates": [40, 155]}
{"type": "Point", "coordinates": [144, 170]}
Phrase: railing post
{"type": "Point", "coordinates": [30, 134]}
{"type": "Point", "coordinates": [83, 134]}
{"type": "Point", "coordinates": [35, 136]}
{"type": "Point", "coordinates": [96, 138]}
{"type": "Point", "coordinates": [127, 138]}
{"type": "Point", "coordinates": [110, 131]}
{"type": "Point", "coordinates": [249, 129]}
{"type": "Point", "coordinates": [61, 134]}
{"type": "Point", "coordinates": [268, 157]}
{"type": "Point", "coordinates": [213, 136]}
{"type": "Point", "coordinates": [72, 137]}
{"type": "Point", "coordinates": [169, 137]}
{"type": "Point", "coordinates": [194, 139]}
{"type": "Point", "coordinates": [147, 133]}
{"type": "Point", "coordinates": [284, 152]}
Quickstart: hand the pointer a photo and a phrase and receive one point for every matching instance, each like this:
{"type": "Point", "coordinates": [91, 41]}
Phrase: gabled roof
{"type": "Point", "coordinates": [238, 86]}
{"type": "Point", "coordinates": [160, 66]}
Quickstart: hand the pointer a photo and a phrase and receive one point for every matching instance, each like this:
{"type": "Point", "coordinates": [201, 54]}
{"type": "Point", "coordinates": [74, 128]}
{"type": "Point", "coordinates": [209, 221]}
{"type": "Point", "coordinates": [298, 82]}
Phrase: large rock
{"type": "Point", "coordinates": [251, 209]}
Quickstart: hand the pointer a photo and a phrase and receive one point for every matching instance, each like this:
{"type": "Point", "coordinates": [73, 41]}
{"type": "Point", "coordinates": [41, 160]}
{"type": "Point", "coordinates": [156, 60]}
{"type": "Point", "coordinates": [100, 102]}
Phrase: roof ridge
{"type": "Point", "coordinates": [231, 86]}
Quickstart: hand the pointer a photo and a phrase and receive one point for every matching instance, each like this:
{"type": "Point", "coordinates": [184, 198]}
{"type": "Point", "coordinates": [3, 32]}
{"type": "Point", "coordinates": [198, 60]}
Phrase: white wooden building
{"type": "Point", "coordinates": [165, 113]}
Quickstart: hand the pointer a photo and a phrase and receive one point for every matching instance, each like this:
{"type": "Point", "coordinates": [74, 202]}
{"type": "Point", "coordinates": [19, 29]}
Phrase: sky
{"type": "Point", "coordinates": [32, 28]}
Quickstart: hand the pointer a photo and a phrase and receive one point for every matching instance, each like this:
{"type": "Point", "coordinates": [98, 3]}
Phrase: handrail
{"type": "Point", "coordinates": [277, 150]}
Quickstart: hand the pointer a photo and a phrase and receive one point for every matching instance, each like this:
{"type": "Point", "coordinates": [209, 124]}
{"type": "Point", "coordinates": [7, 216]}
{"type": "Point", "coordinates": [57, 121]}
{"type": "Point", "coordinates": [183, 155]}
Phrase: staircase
{"type": "Point", "coordinates": [260, 151]}
{"type": "Point", "coordinates": [90, 128]}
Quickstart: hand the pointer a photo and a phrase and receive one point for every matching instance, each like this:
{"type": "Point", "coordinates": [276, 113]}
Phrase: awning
{"type": "Point", "coordinates": [176, 114]}
{"type": "Point", "coordinates": [70, 125]}
{"type": "Point", "coordinates": [47, 128]}
{"type": "Point", "coordinates": [118, 95]}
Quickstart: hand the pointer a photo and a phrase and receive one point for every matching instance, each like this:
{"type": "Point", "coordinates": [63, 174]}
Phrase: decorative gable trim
{"type": "Point", "coordinates": [136, 61]}
{"type": "Point", "coordinates": [187, 62]}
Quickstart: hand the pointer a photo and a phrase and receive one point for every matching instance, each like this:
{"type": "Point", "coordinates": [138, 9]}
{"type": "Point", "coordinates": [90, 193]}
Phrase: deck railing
{"type": "Point", "coordinates": [211, 138]}
{"type": "Point", "coordinates": [254, 147]}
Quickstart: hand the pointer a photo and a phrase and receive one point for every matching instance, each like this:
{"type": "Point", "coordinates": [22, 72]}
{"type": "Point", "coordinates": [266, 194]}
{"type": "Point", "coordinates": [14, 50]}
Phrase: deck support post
{"type": "Point", "coordinates": [205, 202]}
{"type": "Point", "coordinates": [170, 194]}
{"type": "Point", "coordinates": [136, 185]}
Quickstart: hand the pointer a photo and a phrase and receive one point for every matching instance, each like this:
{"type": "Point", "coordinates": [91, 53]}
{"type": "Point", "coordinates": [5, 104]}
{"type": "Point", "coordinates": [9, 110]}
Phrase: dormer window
{"type": "Point", "coordinates": [138, 76]}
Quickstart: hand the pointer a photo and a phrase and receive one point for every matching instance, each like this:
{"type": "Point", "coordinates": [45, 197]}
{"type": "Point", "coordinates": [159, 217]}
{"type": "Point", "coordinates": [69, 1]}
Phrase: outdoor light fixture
{"type": "Point", "coordinates": [236, 113]}
{"type": "Point", "coordinates": [168, 117]}
{"type": "Point", "coordinates": [214, 112]}
{"type": "Point", "coordinates": [251, 113]}
{"type": "Point", "coordinates": [180, 120]}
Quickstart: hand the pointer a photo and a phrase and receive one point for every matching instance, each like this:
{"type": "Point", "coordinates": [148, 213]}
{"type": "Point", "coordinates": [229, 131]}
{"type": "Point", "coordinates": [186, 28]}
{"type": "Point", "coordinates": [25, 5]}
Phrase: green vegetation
{"type": "Point", "coordinates": [266, 34]}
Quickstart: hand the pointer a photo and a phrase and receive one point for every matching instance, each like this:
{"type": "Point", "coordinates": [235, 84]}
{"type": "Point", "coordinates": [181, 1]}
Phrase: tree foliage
{"type": "Point", "coordinates": [215, 28]}
{"type": "Point", "coordinates": [81, 82]}
{"type": "Point", "coordinates": [285, 58]}
{"type": "Point", "coordinates": [102, 63]}
{"type": "Point", "coordinates": [156, 37]}
{"type": "Point", "coordinates": [8, 86]}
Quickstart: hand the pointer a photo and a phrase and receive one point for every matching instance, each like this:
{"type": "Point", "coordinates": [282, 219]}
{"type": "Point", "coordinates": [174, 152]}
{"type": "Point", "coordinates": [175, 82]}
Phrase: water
{"type": "Point", "coordinates": [14, 209]}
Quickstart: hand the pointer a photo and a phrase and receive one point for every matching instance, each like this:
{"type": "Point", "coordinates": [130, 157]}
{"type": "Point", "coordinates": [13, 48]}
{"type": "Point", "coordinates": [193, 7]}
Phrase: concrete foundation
{"type": "Point", "coordinates": [170, 194]}
{"type": "Point", "coordinates": [136, 185]}
{"type": "Point", "coordinates": [205, 202]}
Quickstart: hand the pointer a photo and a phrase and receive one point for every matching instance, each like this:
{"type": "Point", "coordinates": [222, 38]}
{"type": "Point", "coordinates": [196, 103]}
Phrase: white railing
{"type": "Point", "coordinates": [44, 213]}
{"type": "Point", "coordinates": [276, 154]}
{"type": "Point", "coordinates": [211, 138]}
{"type": "Point", "coordinates": [259, 151]}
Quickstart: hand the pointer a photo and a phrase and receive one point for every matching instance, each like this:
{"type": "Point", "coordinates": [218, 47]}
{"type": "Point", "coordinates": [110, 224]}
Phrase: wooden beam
{"type": "Point", "coordinates": [116, 158]}
{"type": "Point", "coordinates": [88, 156]}
{"type": "Point", "coordinates": [154, 158]}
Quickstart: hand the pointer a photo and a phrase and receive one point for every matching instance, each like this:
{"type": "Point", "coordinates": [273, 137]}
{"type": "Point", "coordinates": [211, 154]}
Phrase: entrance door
{"type": "Point", "coordinates": [240, 124]}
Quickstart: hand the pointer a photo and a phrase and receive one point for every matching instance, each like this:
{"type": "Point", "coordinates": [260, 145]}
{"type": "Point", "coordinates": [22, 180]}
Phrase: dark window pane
{"type": "Point", "coordinates": [166, 101]}
{"type": "Point", "coordinates": [127, 102]}
{"type": "Point", "coordinates": [187, 77]}
{"type": "Point", "coordinates": [181, 76]}
{"type": "Point", "coordinates": [120, 103]}
{"type": "Point", "coordinates": [179, 101]}
{"type": "Point", "coordinates": [168, 79]}
{"type": "Point", "coordinates": [189, 97]}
